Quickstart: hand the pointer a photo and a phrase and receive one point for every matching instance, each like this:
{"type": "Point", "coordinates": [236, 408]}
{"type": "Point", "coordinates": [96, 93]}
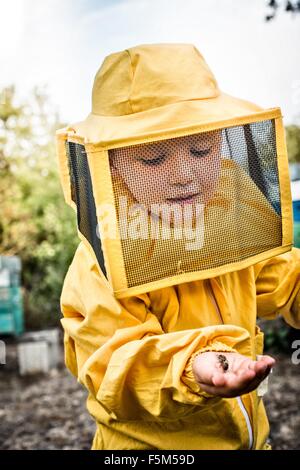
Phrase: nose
{"type": "Point", "coordinates": [181, 172]}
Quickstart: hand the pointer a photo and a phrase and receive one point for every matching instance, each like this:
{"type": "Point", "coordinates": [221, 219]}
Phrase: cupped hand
{"type": "Point", "coordinates": [230, 375]}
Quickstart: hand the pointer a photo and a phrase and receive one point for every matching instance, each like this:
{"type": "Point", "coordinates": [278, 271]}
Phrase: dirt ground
{"type": "Point", "coordinates": [48, 411]}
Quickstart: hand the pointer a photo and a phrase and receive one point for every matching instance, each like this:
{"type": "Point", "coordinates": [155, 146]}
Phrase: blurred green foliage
{"type": "Point", "coordinates": [35, 222]}
{"type": "Point", "coordinates": [293, 143]}
{"type": "Point", "coordinates": [276, 335]}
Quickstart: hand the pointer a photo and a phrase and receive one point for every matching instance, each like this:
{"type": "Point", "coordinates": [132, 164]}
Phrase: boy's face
{"type": "Point", "coordinates": [180, 171]}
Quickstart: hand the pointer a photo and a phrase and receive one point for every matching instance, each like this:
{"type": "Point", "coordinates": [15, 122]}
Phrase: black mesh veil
{"type": "Point", "coordinates": [82, 195]}
{"type": "Point", "coordinates": [231, 172]}
{"type": "Point", "coordinates": [255, 151]}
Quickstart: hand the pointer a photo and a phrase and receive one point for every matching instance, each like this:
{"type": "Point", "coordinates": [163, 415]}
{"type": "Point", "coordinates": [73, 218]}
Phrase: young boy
{"type": "Point", "coordinates": [170, 361]}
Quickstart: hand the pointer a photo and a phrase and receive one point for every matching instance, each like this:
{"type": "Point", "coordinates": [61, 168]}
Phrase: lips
{"type": "Point", "coordinates": [184, 198]}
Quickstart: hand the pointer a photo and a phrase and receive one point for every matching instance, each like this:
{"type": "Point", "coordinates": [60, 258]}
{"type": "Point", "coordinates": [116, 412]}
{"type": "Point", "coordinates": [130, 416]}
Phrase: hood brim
{"type": "Point", "coordinates": [111, 130]}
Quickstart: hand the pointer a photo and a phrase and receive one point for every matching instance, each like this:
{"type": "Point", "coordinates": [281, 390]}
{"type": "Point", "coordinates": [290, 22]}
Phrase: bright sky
{"type": "Point", "coordinates": [62, 43]}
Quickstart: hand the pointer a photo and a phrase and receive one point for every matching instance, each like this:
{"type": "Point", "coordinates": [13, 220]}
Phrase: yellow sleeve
{"type": "Point", "coordinates": [278, 287]}
{"type": "Point", "coordinates": [120, 353]}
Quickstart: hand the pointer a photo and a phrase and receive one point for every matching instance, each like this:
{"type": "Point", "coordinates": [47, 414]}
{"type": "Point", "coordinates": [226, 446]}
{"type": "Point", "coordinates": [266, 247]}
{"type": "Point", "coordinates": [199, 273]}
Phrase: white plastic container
{"type": "Point", "coordinates": [44, 343]}
{"type": "Point", "coordinates": [33, 357]}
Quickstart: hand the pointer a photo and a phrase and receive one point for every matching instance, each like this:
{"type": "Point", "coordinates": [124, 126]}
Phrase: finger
{"type": "Point", "coordinates": [255, 382]}
{"type": "Point", "coordinates": [218, 379]}
{"type": "Point", "coordinates": [234, 383]}
{"type": "Point", "coordinates": [212, 390]}
{"type": "Point", "coordinates": [245, 365]}
{"type": "Point", "coordinates": [264, 357]}
{"type": "Point", "coordinates": [262, 369]}
{"type": "Point", "coordinates": [270, 361]}
{"type": "Point", "coordinates": [262, 365]}
{"type": "Point", "coordinates": [258, 367]}
{"type": "Point", "coordinates": [222, 392]}
{"type": "Point", "coordinates": [229, 385]}
{"type": "Point", "coordinates": [258, 377]}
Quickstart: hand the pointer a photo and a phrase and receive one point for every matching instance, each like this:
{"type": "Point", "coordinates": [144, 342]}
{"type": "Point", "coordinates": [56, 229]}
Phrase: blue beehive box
{"type": "Point", "coordinates": [296, 211]}
{"type": "Point", "coordinates": [11, 305]}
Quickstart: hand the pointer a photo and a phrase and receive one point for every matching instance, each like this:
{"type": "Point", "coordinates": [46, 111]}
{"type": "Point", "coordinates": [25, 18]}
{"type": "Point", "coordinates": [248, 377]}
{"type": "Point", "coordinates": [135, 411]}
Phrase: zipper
{"type": "Point", "coordinates": [213, 300]}
{"type": "Point", "coordinates": [239, 400]}
{"type": "Point", "coordinates": [247, 419]}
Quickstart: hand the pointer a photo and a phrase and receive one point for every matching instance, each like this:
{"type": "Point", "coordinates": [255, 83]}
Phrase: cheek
{"type": "Point", "coordinates": [208, 171]}
{"type": "Point", "coordinates": [146, 184]}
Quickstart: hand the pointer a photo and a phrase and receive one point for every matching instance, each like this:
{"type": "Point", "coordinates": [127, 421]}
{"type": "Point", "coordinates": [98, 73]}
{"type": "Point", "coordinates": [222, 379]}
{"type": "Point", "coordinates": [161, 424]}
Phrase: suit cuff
{"type": "Point", "coordinates": [188, 375]}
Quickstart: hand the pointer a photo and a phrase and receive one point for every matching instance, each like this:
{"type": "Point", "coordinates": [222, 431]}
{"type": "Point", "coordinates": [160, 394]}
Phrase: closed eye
{"type": "Point", "coordinates": [200, 153]}
{"type": "Point", "coordinates": [153, 161]}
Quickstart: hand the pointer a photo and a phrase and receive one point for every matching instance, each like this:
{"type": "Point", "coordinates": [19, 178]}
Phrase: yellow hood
{"type": "Point", "coordinates": [153, 88]}
{"type": "Point", "coordinates": [156, 92]}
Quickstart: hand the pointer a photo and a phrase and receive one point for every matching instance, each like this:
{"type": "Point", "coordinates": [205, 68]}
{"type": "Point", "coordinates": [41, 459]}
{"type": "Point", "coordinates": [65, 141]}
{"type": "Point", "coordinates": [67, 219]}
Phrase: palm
{"type": "Point", "coordinates": [242, 375]}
